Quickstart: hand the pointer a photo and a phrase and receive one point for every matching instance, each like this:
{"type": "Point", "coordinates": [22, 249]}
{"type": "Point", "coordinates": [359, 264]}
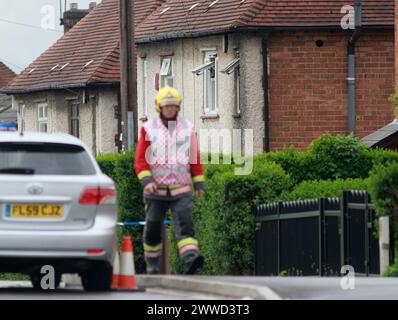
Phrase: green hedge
{"type": "Point", "coordinates": [330, 157]}
{"type": "Point", "coordinates": [14, 277]}
{"type": "Point", "coordinates": [392, 270]}
{"type": "Point", "coordinates": [224, 217]}
{"type": "Point", "coordinates": [340, 157]}
{"type": "Point", "coordinates": [384, 189]}
{"type": "Point", "coordinates": [382, 157]}
{"type": "Point", "coordinates": [384, 194]}
{"type": "Point", "coordinates": [108, 162]}
{"type": "Point", "coordinates": [120, 167]}
{"type": "Point", "coordinates": [296, 163]}
{"type": "Point", "coordinates": [324, 188]}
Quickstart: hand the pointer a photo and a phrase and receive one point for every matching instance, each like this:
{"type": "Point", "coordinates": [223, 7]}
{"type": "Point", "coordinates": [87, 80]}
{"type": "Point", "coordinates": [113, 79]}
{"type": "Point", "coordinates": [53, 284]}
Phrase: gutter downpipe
{"type": "Point", "coordinates": [266, 143]}
{"type": "Point", "coordinates": [351, 67]}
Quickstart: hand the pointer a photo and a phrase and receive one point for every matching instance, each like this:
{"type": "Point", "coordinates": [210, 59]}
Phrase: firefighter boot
{"type": "Point", "coordinates": [152, 265]}
{"type": "Point", "coordinates": [192, 261]}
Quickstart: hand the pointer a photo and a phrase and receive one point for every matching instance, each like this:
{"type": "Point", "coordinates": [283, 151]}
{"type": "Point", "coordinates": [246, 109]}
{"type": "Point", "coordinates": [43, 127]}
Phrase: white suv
{"type": "Point", "coordinates": [56, 208]}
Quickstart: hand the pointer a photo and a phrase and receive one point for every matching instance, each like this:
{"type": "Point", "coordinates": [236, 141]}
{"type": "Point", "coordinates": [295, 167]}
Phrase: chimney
{"type": "Point", "coordinates": [74, 6]}
{"type": "Point", "coordinates": [92, 5]}
{"type": "Point", "coordinates": [74, 15]}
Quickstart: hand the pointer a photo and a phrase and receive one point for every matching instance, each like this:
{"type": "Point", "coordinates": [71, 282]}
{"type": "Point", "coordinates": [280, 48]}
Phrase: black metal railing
{"type": "Point", "coordinates": [317, 236]}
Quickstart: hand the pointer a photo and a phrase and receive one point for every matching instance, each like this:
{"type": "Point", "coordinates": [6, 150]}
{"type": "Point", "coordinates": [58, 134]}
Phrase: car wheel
{"type": "Point", "coordinates": [97, 278]}
{"type": "Point", "coordinates": [36, 278]}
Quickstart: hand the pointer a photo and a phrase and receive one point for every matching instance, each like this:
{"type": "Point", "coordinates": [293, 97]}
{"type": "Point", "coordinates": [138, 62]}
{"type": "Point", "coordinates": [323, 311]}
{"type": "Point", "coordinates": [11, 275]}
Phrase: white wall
{"type": "Point", "coordinates": [98, 135]}
{"type": "Point", "coordinates": [188, 54]}
{"type": "Point", "coordinates": [106, 123]}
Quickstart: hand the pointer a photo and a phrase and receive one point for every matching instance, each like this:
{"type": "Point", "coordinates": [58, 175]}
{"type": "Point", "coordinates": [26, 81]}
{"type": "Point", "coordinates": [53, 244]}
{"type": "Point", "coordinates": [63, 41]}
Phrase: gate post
{"type": "Point", "coordinates": [384, 243]}
{"type": "Point", "coordinates": [345, 228]}
{"type": "Point", "coordinates": [280, 205]}
{"type": "Point", "coordinates": [366, 235]}
{"type": "Point", "coordinates": [322, 202]}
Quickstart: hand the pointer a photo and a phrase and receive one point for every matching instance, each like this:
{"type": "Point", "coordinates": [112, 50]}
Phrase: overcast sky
{"type": "Point", "coordinates": [22, 37]}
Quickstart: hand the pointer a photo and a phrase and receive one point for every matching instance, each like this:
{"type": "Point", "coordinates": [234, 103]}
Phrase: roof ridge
{"type": "Point", "coordinates": [249, 15]}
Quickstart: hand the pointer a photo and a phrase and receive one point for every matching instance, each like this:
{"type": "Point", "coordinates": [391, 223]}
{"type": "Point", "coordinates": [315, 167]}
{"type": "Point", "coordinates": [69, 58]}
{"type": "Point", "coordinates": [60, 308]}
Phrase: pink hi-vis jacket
{"type": "Point", "coordinates": [168, 155]}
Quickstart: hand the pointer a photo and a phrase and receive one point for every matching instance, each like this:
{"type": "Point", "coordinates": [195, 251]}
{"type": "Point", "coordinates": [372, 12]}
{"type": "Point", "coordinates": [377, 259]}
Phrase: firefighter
{"type": "Point", "coordinates": [168, 166]}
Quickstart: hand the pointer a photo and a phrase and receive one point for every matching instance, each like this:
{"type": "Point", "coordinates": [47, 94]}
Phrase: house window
{"type": "Point", "coordinates": [42, 116]}
{"type": "Point", "coordinates": [211, 83]}
{"type": "Point", "coordinates": [74, 118]}
{"type": "Point", "coordinates": [166, 72]}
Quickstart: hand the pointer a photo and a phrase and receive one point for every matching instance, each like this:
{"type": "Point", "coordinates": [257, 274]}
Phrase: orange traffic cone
{"type": "Point", "coordinates": [127, 279]}
{"type": "Point", "coordinates": [116, 269]}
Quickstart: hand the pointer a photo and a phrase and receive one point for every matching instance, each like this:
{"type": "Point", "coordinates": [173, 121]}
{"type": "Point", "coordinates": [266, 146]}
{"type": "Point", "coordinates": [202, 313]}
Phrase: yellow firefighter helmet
{"type": "Point", "coordinates": [166, 97]}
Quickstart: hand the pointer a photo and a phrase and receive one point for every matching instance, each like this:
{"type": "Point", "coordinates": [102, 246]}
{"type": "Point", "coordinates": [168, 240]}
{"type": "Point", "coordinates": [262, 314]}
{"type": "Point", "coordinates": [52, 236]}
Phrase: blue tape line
{"type": "Point", "coordinates": [139, 223]}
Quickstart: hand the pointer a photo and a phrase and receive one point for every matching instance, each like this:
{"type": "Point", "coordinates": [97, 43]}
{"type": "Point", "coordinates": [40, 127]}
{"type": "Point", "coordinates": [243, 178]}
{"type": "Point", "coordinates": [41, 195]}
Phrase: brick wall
{"type": "Point", "coordinates": [308, 87]}
{"type": "Point", "coordinates": [396, 43]}
{"type": "Point", "coordinates": [375, 81]}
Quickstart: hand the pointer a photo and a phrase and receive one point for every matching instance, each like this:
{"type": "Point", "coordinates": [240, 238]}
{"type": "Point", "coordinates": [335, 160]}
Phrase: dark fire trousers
{"type": "Point", "coordinates": [156, 208]}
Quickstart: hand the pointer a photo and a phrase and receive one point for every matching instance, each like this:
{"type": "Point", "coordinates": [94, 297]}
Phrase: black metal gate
{"type": "Point", "coordinates": [317, 236]}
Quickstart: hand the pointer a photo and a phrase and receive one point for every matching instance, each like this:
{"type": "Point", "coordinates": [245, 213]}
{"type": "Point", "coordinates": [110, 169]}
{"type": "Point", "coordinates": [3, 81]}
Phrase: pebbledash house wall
{"type": "Point", "coordinates": [97, 123]}
{"type": "Point", "coordinates": [307, 83]}
{"type": "Point", "coordinates": [188, 54]}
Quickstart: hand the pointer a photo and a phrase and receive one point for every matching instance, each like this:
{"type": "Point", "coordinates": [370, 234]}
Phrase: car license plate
{"type": "Point", "coordinates": [34, 211]}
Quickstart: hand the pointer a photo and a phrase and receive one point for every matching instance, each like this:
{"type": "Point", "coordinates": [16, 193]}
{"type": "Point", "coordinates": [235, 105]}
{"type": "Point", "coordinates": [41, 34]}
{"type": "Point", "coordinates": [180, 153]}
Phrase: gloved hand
{"type": "Point", "coordinates": [199, 193]}
{"type": "Point", "coordinates": [150, 188]}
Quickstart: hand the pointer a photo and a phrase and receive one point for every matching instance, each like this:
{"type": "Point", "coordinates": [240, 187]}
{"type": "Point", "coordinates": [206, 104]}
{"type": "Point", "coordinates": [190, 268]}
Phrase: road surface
{"type": "Point", "coordinates": [12, 290]}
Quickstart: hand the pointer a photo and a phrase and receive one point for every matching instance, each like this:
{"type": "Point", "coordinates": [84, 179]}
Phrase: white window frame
{"type": "Point", "coordinates": [166, 72]}
{"type": "Point", "coordinates": [74, 118]}
{"type": "Point", "coordinates": [208, 83]}
{"type": "Point", "coordinates": [42, 116]}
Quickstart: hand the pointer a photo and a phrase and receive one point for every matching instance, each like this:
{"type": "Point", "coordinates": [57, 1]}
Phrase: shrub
{"type": "Point", "coordinates": [384, 194]}
{"type": "Point", "coordinates": [324, 188]}
{"type": "Point", "coordinates": [392, 270]}
{"type": "Point", "coordinates": [14, 277]}
{"type": "Point", "coordinates": [120, 167]}
{"type": "Point", "coordinates": [382, 157]}
{"type": "Point", "coordinates": [107, 162]}
{"type": "Point", "coordinates": [384, 189]}
{"type": "Point", "coordinates": [329, 157]}
{"type": "Point", "coordinates": [296, 163]}
{"type": "Point", "coordinates": [340, 157]}
{"type": "Point", "coordinates": [224, 217]}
